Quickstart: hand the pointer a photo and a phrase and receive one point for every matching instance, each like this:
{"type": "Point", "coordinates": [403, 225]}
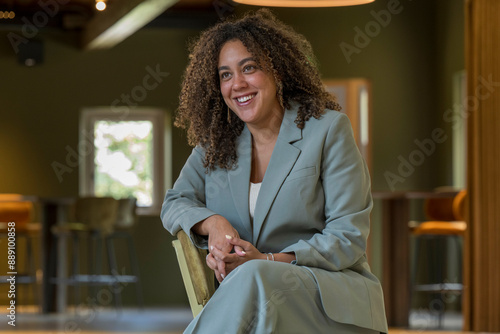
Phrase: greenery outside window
{"type": "Point", "coordinates": [127, 155]}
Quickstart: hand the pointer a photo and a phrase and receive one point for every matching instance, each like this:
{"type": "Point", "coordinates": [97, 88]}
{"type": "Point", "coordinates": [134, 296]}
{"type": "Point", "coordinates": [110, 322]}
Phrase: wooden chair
{"type": "Point", "coordinates": [446, 222]}
{"type": "Point", "coordinates": [199, 280]}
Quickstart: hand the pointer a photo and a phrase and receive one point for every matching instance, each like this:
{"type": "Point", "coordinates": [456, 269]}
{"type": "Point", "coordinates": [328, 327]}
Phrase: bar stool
{"type": "Point", "coordinates": [16, 224]}
{"type": "Point", "coordinates": [446, 223]}
{"type": "Point", "coordinates": [94, 220]}
{"type": "Point", "coordinates": [125, 220]}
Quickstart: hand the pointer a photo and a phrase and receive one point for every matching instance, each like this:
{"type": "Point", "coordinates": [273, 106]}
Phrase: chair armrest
{"type": "Point", "coordinates": [198, 276]}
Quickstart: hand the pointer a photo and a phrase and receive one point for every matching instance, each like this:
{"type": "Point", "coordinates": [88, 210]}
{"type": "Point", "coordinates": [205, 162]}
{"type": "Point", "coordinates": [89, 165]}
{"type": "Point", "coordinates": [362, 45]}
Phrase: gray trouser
{"type": "Point", "coordinates": [264, 297]}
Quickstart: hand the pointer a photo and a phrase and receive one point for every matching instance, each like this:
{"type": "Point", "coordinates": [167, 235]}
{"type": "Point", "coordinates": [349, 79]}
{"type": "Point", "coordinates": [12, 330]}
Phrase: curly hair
{"type": "Point", "coordinates": [277, 48]}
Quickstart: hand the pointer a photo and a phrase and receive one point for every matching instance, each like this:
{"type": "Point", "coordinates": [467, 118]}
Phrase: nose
{"type": "Point", "coordinates": [239, 81]}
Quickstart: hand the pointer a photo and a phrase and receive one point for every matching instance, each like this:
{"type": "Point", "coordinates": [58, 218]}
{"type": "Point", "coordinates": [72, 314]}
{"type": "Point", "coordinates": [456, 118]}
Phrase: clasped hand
{"type": "Point", "coordinates": [226, 250]}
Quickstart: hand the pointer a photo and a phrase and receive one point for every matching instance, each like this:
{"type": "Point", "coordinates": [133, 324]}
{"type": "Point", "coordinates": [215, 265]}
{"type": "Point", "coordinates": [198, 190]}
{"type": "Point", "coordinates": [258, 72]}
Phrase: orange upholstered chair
{"type": "Point", "coordinates": [446, 223]}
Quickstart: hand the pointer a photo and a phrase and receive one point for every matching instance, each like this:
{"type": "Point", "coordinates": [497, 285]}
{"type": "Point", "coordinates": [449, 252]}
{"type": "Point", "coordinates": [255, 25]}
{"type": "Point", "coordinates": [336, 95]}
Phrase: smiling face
{"type": "Point", "coordinates": [248, 90]}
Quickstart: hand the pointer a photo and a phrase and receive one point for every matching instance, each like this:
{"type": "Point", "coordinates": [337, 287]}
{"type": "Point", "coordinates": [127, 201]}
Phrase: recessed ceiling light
{"type": "Point", "coordinates": [100, 5]}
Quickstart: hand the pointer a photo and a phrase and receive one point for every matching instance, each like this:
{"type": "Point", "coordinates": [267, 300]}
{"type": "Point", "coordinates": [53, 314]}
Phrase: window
{"type": "Point", "coordinates": [459, 130]}
{"type": "Point", "coordinates": [126, 156]}
{"type": "Point", "coordinates": [353, 95]}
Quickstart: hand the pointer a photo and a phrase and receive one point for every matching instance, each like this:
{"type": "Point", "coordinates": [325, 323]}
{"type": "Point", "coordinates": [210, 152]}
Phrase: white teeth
{"type": "Point", "coordinates": [245, 98]}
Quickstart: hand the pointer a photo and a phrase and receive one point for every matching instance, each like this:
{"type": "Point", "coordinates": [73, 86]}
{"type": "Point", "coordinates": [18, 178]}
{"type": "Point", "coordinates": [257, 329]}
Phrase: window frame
{"type": "Point", "coordinates": [160, 120]}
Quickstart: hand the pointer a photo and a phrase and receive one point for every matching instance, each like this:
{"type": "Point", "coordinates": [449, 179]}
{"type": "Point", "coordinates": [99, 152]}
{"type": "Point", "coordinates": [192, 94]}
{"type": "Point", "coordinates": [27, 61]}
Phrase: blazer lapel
{"type": "Point", "coordinates": [282, 161]}
{"type": "Point", "coordinates": [239, 178]}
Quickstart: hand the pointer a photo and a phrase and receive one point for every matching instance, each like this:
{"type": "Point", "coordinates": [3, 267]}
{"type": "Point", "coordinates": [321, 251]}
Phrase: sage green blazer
{"type": "Point", "coordinates": [315, 200]}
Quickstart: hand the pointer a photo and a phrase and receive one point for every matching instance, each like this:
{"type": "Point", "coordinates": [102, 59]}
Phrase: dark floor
{"type": "Point", "coordinates": [150, 320]}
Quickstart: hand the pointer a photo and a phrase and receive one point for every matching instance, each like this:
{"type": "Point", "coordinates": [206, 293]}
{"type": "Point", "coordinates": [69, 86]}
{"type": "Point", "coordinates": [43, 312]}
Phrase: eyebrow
{"type": "Point", "coordinates": [241, 62]}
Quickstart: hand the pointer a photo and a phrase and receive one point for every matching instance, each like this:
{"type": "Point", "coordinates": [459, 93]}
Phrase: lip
{"type": "Point", "coordinates": [246, 102]}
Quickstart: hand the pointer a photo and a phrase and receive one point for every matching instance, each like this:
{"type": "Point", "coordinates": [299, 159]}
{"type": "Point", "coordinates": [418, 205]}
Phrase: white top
{"type": "Point", "coordinates": [254, 193]}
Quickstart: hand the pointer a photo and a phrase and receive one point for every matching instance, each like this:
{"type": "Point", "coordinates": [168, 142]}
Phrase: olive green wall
{"type": "Point", "coordinates": [409, 61]}
{"type": "Point", "coordinates": [449, 46]}
{"type": "Point", "coordinates": [400, 65]}
{"type": "Point", "coordinates": [39, 119]}
{"type": "Point", "coordinates": [409, 57]}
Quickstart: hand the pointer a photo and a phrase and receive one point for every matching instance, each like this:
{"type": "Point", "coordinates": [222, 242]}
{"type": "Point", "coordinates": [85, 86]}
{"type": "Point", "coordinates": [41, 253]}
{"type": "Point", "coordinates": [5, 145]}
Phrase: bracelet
{"type": "Point", "coordinates": [272, 256]}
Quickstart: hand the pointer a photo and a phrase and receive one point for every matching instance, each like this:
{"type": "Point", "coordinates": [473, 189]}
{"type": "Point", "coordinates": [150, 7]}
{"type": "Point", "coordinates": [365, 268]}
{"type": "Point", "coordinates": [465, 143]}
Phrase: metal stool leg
{"type": "Point", "coordinates": [414, 270]}
{"type": "Point", "coordinates": [76, 268]}
{"type": "Point", "coordinates": [113, 267]}
{"type": "Point", "coordinates": [31, 269]}
{"type": "Point", "coordinates": [135, 268]}
{"type": "Point", "coordinates": [440, 268]}
{"type": "Point", "coordinates": [94, 261]}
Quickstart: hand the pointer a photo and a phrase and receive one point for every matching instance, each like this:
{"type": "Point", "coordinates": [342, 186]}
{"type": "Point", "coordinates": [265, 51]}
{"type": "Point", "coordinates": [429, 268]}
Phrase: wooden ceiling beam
{"type": "Point", "coordinates": [121, 20]}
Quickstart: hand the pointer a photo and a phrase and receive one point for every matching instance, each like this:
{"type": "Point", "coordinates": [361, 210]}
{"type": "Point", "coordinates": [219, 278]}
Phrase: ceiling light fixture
{"type": "Point", "coordinates": [100, 5]}
{"type": "Point", "coordinates": [303, 3]}
{"type": "Point", "coordinates": [7, 15]}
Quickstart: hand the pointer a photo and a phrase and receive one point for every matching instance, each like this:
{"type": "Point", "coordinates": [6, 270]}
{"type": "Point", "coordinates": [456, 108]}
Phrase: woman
{"type": "Point", "coordinates": [275, 188]}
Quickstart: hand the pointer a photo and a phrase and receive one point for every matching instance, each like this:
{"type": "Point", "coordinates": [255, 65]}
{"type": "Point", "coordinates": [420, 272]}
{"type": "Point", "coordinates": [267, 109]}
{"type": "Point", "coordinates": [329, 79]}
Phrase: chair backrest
{"type": "Point", "coordinates": [459, 205]}
{"type": "Point", "coordinates": [99, 213]}
{"type": "Point", "coordinates": [198, 277]}
{"type": "Point", "coordinates": [11, 197]}
{"type": "Point", "coordinates": [439, 209]}
{"type": "Point", "coordinates": [126, 216]}
{"type": "Point", "coordinates": [14, 209]}
{"type": "Point", "coordinates": [446, 208]}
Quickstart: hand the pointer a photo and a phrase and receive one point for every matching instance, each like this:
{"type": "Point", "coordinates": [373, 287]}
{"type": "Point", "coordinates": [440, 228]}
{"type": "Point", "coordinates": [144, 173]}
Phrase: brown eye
{"type": "Point", "coordinates": [249, 68]}
{"type": "Point", "coordinates": [225, 75]}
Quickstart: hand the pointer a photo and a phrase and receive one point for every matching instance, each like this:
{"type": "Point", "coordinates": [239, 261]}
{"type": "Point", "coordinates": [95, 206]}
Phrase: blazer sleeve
{"type": "Point", "coordinates": [184, 205]}
{"type": "Point", "coordinates": [348, 202]}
